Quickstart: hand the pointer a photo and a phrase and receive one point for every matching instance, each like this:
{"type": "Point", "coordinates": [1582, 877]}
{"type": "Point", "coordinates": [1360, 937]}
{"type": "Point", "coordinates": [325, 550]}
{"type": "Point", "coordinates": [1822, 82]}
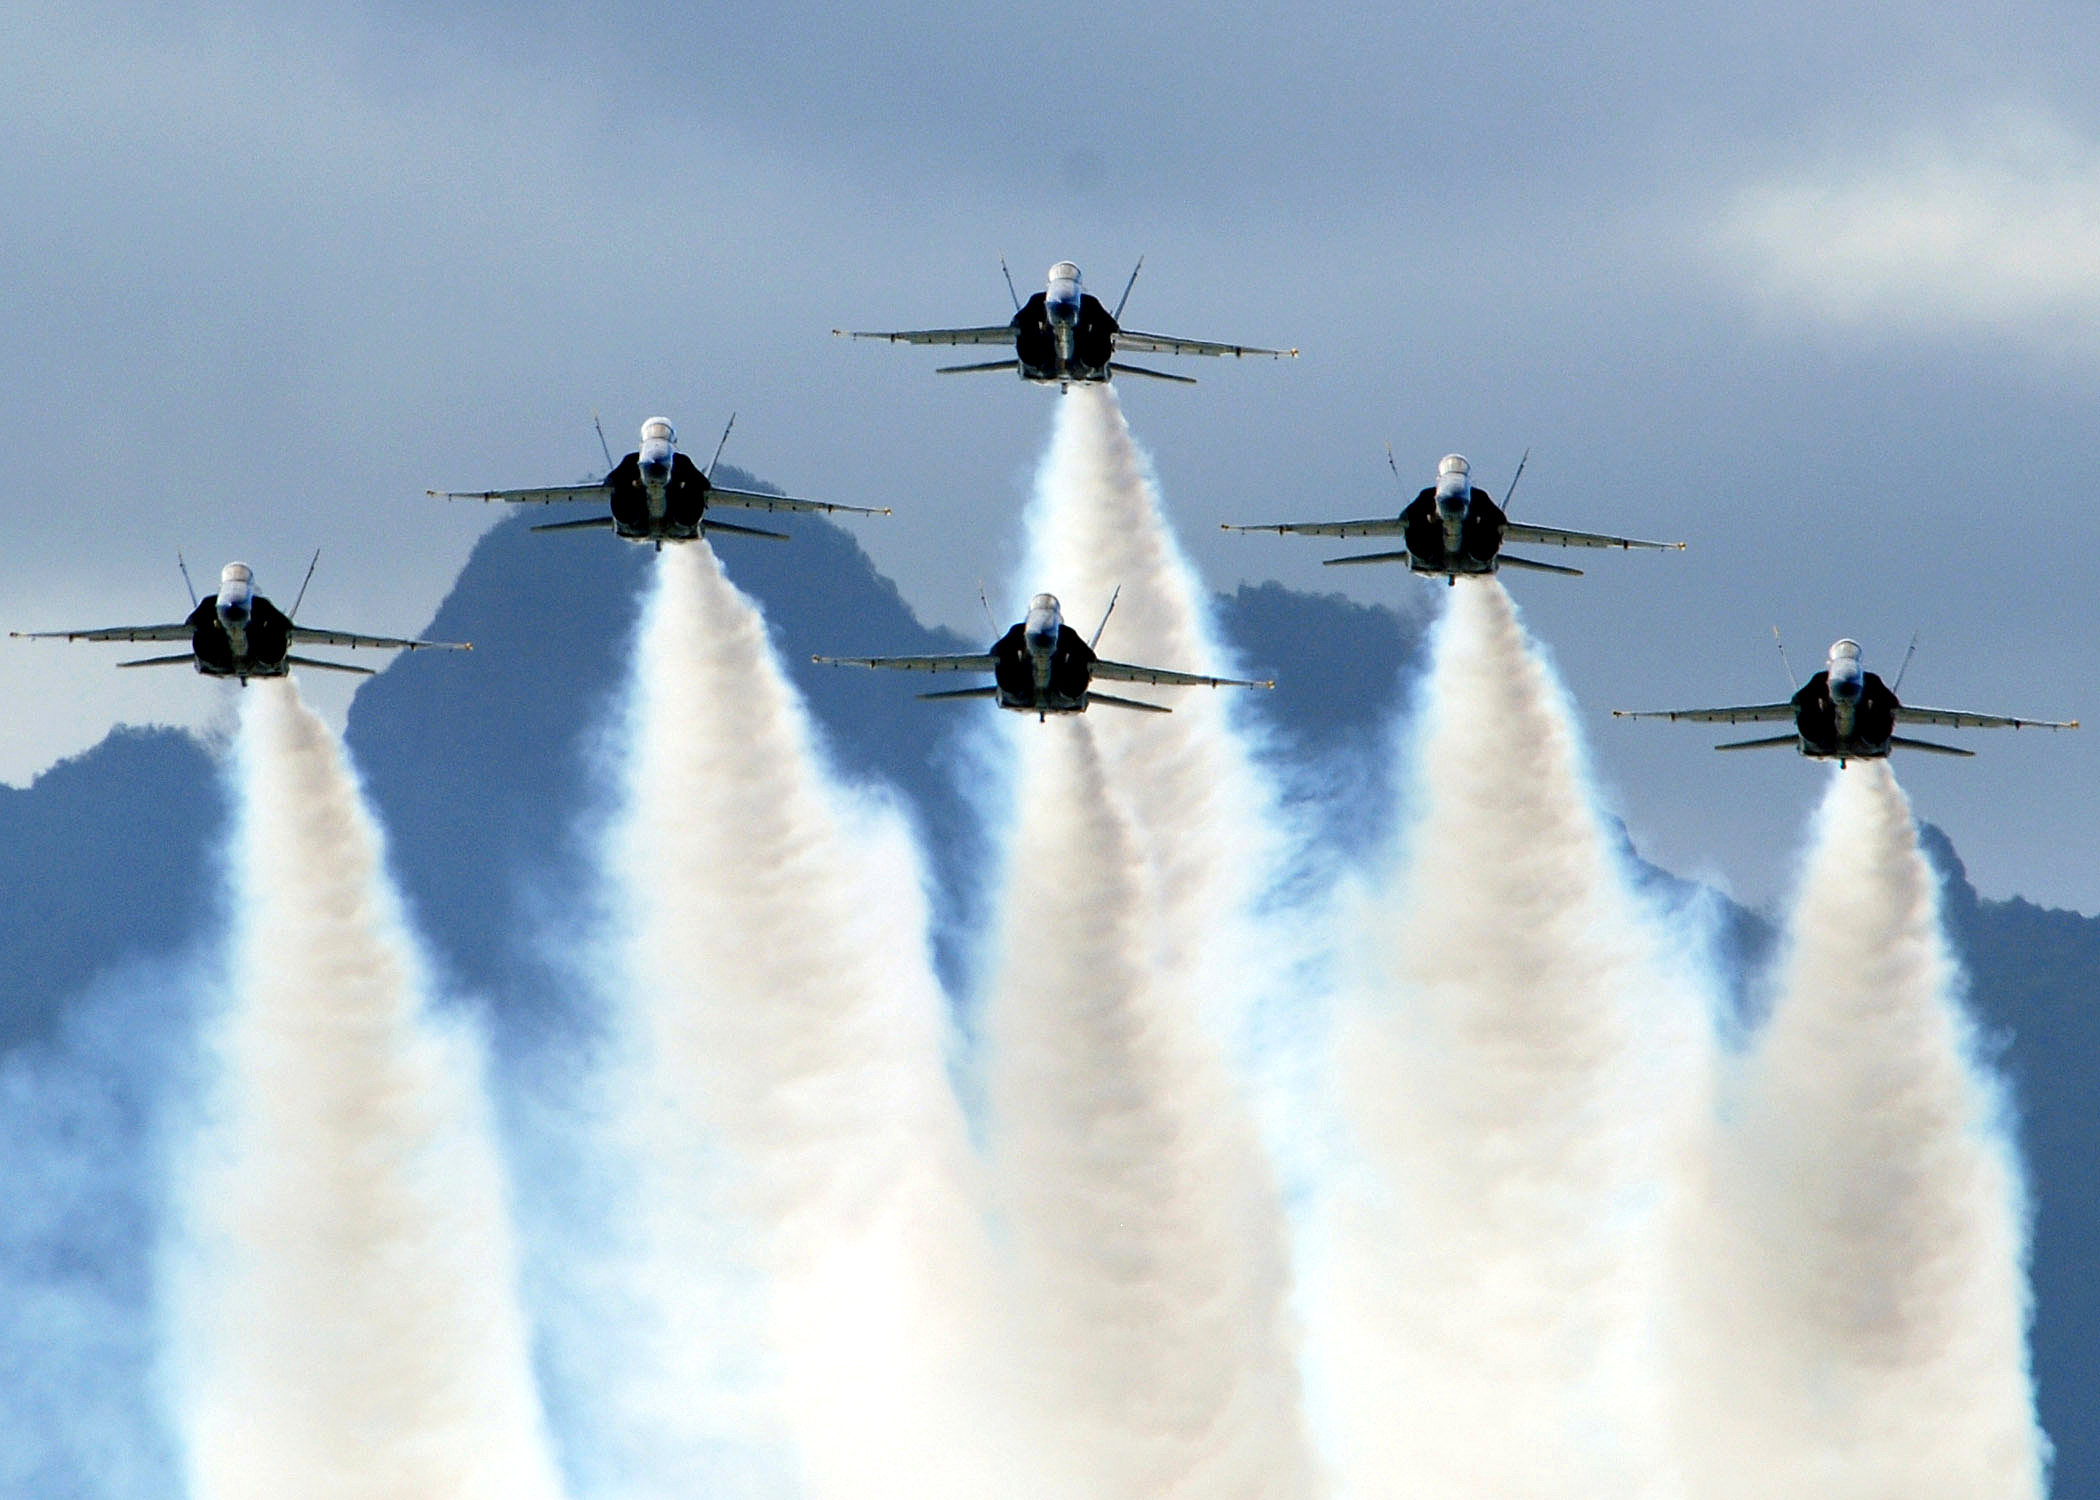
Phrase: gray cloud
{"type": "Point", "coordinates": [273, 274]}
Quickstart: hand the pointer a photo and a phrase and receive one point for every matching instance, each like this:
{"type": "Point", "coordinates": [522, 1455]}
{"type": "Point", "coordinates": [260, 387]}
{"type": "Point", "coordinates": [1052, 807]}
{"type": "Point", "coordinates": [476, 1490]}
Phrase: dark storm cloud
{"type": "Point", "coordinates": [276, 272]}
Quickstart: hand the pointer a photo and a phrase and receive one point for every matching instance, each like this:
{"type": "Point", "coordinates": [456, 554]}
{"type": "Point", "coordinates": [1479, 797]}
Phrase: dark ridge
{"type": "Point", "coordinates": [2034, 977]}
{"type": "Point", "coordinates": [109, 857]}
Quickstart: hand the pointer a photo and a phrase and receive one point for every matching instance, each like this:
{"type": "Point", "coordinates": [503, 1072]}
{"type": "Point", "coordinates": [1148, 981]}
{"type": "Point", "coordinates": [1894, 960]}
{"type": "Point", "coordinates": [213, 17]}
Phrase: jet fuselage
{"type": "Point", "coordinates": [239, 633]}
{"type": "Point", "coordinates": [1063, 334]}
{"type": "Point", "coordinates": [1845, 712]}
{"type": "Point", "coordinates": [1452, 528]}
{"type": "Point", "coordinates": [657, 494]}
{"type": "Point", "coordinates": [1043, 666]}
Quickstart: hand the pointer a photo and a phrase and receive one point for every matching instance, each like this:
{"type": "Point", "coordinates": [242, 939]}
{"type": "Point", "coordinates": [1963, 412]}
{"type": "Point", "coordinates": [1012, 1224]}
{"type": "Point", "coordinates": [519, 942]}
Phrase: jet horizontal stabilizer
{"type": "Point", "coordinates": [327, 666]}
{"type": "Point", "coordinates": [1366, 557]}
{"type": "Point", "coordinates": [1529, 566]}
{"type": "Point", "coordinates": [1774, 743]}
{"type": "Point", "coordinates": [588, 523]}
{"type": "Point", "coordinates": [1119, 368]}
{"type": "Point", "coordinates": [1928, 746]}
{"type": "Point", "coordinates": [996, 364]}
{"type": "Point", "coordinates": [187, 659]}
{"type": "Point", "coordinates": [714, 526]}
{"type": "Point", "coordinates": [1150, 708]}
{"type": "Point", "coordinates": [975, 692]}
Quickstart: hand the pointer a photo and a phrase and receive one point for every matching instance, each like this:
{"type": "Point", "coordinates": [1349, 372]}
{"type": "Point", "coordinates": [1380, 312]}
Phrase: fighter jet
{"type": "Point", "coordinates": [1063, 334]}
{"type": "Point", "coordinates": [1844, 714]}
{"type": "Point", "coordinates": [238, 633]}
{"type": "Point", "coordinates": [659, 495]}
{"type": "Point", "coordinates": [1451, 528]}
{"type": "Point", "coordinates": [1043, 666]}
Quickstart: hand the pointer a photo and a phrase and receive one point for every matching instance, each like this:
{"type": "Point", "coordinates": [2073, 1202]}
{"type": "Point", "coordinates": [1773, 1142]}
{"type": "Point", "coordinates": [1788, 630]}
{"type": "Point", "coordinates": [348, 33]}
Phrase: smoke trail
{"type": "Point", "coordinates": [1864, 1289]}
{"type": "Point", "coordinates": [1145, 1252]}
{"type": "Point", "coordinates": [1511, 1058]}
{"type": "Point", "coordinates": [1198, 966]}
{"type": "Point", "coordinates": [1200, 810]}
{"type": "Point", "coordinates": [348, 1321]}
{"type": "Point", "coordinates": [805, 1154]}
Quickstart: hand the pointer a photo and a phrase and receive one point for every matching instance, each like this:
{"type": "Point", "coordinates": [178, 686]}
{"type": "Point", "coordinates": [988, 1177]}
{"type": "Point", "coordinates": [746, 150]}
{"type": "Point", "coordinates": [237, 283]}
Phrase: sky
{"type": "Point", "coordinates": [1815, 289]}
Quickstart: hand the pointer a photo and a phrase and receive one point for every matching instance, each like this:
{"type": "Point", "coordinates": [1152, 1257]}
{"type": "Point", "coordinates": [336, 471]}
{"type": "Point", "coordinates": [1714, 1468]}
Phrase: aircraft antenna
{"type": "Point", "coordinates": [603, 446]}
{"type": "Point", "coordinates": [1792, 682]}
{"type": "Point", "coordinates": [185, 567]}
{"type": "Point", "coordinates": [1009, 283]}
{"type": "Point", "coordinates": [1118, 314]}
{"type": "Point", "coordinates": [294, 613]}
{"type": "Point", "coordinates": [720, 446]}
{"type": "Point", "coordinates": [1512, 490]}
{"type": "Point", "coordinates": [1897, 685]}
{"type": "Point", "coordinates": [1112, 598]}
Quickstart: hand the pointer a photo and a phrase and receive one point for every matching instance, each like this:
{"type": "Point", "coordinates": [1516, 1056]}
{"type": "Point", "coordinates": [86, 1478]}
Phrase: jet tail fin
{"type": "Point", "coordinates": [1929, 746]}
{"type": "Point", "coordinates": [721, 445]}
{"type": "Point", "coordinates": [1125, 298]}
{"type": "Point", "coordinates": [1773, 743]}
{"type": "Point", "coordinates": [293, 612]}
{"type": "Point", "coordinates": [187, 659]}
{"type": "Point", "coordinates": [1150, 708]}
{"type": "Point", "coordinates": [1505, 560]}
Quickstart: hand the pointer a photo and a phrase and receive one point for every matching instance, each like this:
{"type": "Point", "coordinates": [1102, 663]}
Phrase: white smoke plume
{"type": "Point", "coordinates": [1862, 1281]}
{"type": "Point", "coordinates": [812, 1255]}
{"type": "Point", "coordinates": [1188, 962]}
{"type": "Point", "coordinates": [1146, 1256]}
{"type": "Point", "coordinates": [1512, 1058]}
{"type": "Point", "coordinates": [348, 1326]}
{"type": "Point", "coordinates": [1201, 811]}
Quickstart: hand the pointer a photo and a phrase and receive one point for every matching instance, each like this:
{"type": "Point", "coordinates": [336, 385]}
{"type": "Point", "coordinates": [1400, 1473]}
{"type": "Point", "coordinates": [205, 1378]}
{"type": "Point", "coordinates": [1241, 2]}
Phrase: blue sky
{"type": "Point", "coordinates": [1813, 288]}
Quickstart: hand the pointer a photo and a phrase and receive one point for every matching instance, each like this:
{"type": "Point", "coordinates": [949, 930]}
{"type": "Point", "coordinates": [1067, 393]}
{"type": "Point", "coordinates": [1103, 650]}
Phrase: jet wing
{"type": "Point", "coordinates": [983, 663]}
{"type": "Point", "coordinates": [178, 632]}
{"type": "Point", "coordinates": [381, 642]}
{"type": "Point", "coordinates": [1517, 531]}
{"type": "Point", "coordinates": [1123, 672]}
{"type": "Point", "coordinates": [547, 496]}
{"type": "Point", "coordinates": [752, 500]}
{"type": "Point", "coordinates": [1956, 718]}
{"type": "Point", "coordinates": [1750, 713]}
{"type": "Point", "coordinates": [1373, 526]}
{"type": "Point", "coordinates": [1002, 334]}
{"type": "Point", "coordinates": [1160, 343]}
